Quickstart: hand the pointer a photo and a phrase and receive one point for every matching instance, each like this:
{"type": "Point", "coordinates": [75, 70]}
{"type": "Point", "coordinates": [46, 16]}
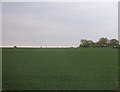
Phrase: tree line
{"type": "Point", "coordinates": [103, 42]}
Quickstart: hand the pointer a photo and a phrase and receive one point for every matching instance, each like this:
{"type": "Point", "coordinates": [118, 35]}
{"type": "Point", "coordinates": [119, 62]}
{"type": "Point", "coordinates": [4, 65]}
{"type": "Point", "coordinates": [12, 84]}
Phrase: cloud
{"type": "Point", "coordinates": [57, 23]}
{"type": "Point", "coordinates": [1, 24]}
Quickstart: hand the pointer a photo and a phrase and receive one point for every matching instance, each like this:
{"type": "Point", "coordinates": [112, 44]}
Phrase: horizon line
{"type": "Point", "coordinates": [39, 46]}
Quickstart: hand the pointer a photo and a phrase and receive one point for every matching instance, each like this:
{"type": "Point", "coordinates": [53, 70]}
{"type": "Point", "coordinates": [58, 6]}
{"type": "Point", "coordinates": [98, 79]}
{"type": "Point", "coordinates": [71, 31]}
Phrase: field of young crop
{"type": "Point", "coordinates": [60, 69]}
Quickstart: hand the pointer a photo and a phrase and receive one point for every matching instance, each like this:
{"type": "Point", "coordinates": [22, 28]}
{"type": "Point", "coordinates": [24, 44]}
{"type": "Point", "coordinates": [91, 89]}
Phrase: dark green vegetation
{"type": "Point", "coordinates": [60, 69]}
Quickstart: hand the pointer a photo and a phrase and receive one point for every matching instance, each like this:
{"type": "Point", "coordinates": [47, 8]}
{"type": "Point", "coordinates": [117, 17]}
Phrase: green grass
{"type": "Point", "coordinates": [60, 69]}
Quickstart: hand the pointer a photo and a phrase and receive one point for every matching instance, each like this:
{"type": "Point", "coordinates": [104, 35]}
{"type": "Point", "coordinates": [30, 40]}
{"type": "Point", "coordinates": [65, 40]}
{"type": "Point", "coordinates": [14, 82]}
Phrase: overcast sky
{"type": "Point", "coordinates": [58, 24]}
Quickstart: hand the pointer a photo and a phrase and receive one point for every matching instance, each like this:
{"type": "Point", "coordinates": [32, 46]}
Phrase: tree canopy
{"type": "Point", "coordinates": [103, 42]}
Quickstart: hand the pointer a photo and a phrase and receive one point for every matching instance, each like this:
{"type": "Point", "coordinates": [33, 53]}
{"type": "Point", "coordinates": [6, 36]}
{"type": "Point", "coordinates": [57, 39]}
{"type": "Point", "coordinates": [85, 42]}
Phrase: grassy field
{"type": "Point", "coordinates": [60, 69]}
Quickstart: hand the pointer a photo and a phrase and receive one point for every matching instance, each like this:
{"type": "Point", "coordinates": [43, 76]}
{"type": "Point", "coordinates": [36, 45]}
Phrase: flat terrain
{"type": "Point", "coordinates": [60, 69]}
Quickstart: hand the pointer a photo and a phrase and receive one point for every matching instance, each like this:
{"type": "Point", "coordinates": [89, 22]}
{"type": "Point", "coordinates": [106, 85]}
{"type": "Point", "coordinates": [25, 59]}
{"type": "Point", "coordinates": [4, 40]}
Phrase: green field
{"type": "Point", "coordinates": [60, 69]}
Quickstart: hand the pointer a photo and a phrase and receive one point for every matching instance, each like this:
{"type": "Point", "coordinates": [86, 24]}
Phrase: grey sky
{"type": "Point", "coordinates": [59, 0]}
{"type": "Point", "coordinates": [58, 24]}
{"type": "Point", "coordinates": [1, 24]}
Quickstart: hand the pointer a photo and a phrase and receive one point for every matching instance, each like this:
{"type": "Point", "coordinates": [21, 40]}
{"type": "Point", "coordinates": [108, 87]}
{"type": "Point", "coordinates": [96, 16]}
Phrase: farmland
{"type": "Point", "coordinates": [60, 68]}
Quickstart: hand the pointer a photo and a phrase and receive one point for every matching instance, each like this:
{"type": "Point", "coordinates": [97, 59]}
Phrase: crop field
{"type": "Point", "coordinates": [60, 69]}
